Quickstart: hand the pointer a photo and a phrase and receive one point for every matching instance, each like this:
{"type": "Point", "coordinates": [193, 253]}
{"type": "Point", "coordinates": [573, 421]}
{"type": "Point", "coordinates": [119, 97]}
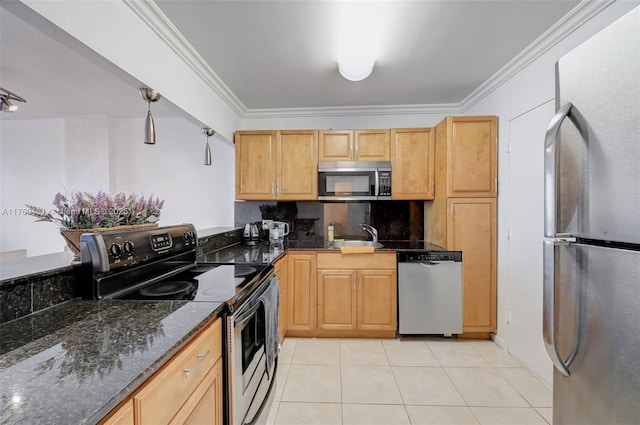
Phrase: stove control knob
{"type": "Point", "coordinates": [115, 250]}
{"type": "Point", "coordinates": [128, 247]}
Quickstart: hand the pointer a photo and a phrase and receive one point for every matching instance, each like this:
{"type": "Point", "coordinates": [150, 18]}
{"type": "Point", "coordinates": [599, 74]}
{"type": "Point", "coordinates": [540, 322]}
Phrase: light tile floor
{"type": "Point", "coordinates": [393, 382]}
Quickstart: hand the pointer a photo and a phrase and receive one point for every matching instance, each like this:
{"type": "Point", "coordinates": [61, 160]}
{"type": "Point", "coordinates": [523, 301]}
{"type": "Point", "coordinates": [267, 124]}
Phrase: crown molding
{"type": "Point", "coordinates": [151, 14]}
{"type": "Point", "coordinates": [442, 108]}
{"type": "Point", "coordinates": [573, 20]}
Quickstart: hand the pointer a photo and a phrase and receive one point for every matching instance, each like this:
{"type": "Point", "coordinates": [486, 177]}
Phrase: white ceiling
{"type": "Point", "coordinates": [280, 54]}
{"type": "Point", "coordinates": [283, 54]}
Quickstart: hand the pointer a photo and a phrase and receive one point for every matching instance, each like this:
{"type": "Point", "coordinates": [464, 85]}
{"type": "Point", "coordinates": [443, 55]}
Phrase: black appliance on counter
{"type": "Point", "coordinates": [160, 264]}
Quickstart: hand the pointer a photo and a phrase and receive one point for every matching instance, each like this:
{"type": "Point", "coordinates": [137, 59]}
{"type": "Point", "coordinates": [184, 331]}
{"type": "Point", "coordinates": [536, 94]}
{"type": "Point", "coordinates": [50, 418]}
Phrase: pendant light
{"type": "Point", "coordinates": [149, 95]}
{"type": "Point", "coordinates": [207, 151]}
{"type": "Point", "coordinates": [5, 100]}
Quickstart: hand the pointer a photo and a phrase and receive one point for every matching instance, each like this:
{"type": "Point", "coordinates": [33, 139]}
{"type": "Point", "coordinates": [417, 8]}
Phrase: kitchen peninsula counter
{"type": "Point", "coordinates": [76, 361]}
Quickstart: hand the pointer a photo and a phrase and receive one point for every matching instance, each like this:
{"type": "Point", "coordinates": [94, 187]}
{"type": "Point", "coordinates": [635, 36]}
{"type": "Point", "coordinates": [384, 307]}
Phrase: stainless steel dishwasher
{"type": "Point", "coordinates": [429, 292]}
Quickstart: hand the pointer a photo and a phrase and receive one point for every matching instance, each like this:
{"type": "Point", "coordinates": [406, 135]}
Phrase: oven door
{"type": "Point", "coordinates": [252, 387]}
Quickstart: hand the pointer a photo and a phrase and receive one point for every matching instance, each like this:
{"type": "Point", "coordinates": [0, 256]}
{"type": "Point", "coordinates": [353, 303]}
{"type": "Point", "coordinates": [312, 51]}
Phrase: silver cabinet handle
{"type": "Point", "coordinates": [201, 358]}
{"type": "Point", "coordinates": [551, 164]}
{"type": "Point", "coordinates": [277, 189]}
{"type": "Point", "coordinates": [272, 186]}
{"type": "Point", "coordinates": [351, 149]}
{"type": "Point", "coordinates": [357, 155]}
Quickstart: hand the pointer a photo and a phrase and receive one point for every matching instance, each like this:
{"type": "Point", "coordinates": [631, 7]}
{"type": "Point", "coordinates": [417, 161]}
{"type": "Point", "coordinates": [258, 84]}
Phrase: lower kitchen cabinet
{"type": "Point", "coordinates": [471, 228]}
{"type": "Point", "coordinates": [357, 300]}
{"type": "Point", "coordinates": [356, 294]}
{"type": "Point", "coordinates": [186, 390]}
{"type": "Point", "coordinates": [301, 293]}
{"type": "Point", "coordinates": [281, 273]}
{"type": "Point", "coordinates": [122, 416]}
{"type": "Point", "coordinates": [337, 300]}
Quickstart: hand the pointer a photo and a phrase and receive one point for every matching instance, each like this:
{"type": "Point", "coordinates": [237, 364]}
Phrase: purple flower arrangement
{"type": "Point", "coordinates": [84, 210]}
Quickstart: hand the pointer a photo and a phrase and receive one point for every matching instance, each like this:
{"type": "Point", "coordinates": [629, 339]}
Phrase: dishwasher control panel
{"type": "Point", "coordinates": [429, 256]}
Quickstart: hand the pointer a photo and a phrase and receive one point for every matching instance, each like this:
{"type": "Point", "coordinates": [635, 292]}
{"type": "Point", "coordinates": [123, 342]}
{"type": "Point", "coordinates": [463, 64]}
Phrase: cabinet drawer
{"type": "Point", "coordinates": [336, 260]}
{"type": "Point", "coordinates": [161, 398]}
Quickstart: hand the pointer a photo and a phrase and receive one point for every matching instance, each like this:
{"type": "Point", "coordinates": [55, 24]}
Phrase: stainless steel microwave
{"type": "Point", "coordinates": [354, 180]}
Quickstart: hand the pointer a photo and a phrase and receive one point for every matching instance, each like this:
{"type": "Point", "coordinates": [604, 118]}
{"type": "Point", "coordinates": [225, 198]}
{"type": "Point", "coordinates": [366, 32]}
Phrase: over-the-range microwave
{"type": "Point", "coordinates": [354, 180]}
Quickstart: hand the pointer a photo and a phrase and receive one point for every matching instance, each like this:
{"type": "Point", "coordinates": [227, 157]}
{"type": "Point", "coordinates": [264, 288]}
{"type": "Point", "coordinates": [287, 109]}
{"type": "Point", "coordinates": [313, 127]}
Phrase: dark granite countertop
{"type": "Point", "coordinates": [74, 362]}
{"type": "Point", "coordinates": [263, 252]}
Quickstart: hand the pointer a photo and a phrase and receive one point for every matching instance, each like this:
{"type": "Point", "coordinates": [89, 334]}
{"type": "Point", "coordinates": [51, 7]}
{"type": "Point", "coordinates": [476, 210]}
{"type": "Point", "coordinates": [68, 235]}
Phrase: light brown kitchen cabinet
{"type": "Point", "coordinates": [122, 416]}
{"type": "Point", "coordinates": [377, 295]}
{"type": "Point", "coordinates": [354, 145]}
{"type": "Point", "coordinates": [276, 165]}
{"type": "Point", "coordinates": [297, 165]}
{"type": "Point", "coordinates": [280, 267]}
{"type": "Point", "coordinates": [170, 391]}
{"type": "Point", "coordinates": [204, 406]}
{"type": "Point", "coordinates": [472, 158]}
{"type": "Point", "coordinates": [356, 294]}
{"type": "Point", "coordinates": [337, 297]}
{"type": "Point", "coordinates": [412, 164]}
{"type": "Point", "coordinates": [301, 292]}
{"type": "Point", "coordinates": [471, 228]}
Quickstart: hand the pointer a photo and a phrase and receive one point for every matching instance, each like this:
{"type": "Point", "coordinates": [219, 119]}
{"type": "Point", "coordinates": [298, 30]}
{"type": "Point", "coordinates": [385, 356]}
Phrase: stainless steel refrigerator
{"type": "Point", "coordinates": [592, 230]}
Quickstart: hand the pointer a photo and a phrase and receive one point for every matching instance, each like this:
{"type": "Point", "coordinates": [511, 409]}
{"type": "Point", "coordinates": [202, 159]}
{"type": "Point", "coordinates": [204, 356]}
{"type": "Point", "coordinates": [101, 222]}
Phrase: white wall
{"type": "Point", "coordinates": [32, 171]}
{"type": "Point", "coordinates": [174, 170]}
{"type": "Point", "coordinates": [521, 95]}
{"type": "Point", "coordinates": [42, 157]}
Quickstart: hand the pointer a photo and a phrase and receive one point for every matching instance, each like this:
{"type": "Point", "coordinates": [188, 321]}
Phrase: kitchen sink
{"type": "Point", "coordinates": [338, 244]}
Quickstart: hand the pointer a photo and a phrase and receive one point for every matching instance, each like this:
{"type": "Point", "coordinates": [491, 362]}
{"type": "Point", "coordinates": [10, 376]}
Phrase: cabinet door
{"type": "Point", "coordinates": [281, 273]}
{"type": "Point", "coordinates": [335, 145]}
{"type": "Point", "coordinates": [297, 165]}
{"type": "Point", "coordinates": [471, 228]}
{"type": "Point", "coordinates": [336, 299]}
{"type": "Point", "coordinates": [255, 165]}
{"type": "Point", "coordinates": [377, 300]}
{"type": "Point", "coordinates": [205, 404]}
{"type": "Point", "coordinates": [301, 292]}
{"type": "Point", "coordinates": [372, 145]}
{"type": "Point", "coordinates": [412, 163]}
{"type": "Point", "coordinates": [472, 158]}
{"type": "Point", "coordinates": [123, 416]}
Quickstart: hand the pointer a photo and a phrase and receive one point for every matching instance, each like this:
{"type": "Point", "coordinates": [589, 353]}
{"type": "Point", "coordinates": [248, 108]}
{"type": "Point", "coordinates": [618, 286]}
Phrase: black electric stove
{"type": "Point", "coordinates": [160, 264]}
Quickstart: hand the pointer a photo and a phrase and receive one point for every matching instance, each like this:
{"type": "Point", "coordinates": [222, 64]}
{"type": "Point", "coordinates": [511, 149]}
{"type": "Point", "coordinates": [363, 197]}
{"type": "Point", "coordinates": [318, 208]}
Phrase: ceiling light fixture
{"type": "Point", "coordinates": [207, 151]}
{"type": "Point", "coordinates": [354, 70]}
{"type": "Point", "coordinates": [149, 95]}
{"type": "Point", "coordinates": [5, 100]}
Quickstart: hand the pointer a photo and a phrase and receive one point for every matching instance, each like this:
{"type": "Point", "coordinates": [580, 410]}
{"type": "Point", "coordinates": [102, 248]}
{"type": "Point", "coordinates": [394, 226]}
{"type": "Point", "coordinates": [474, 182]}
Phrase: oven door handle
{"type": "Point", "coordinates": [246, 316]}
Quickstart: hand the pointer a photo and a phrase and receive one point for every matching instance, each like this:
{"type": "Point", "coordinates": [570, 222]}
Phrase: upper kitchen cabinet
{"type": "Point", "coordinates": [412, 163]}
{"type": "Point", "coordinates": [350, 145]}
{"type": "Point", "coordinates": [277, 165]}
{"type": "Point", "coordinates": [472, 161]}
{"type": "Point", "coordinates": [297, 165]}
{"type": "Point", "coordinates": [256, 165]}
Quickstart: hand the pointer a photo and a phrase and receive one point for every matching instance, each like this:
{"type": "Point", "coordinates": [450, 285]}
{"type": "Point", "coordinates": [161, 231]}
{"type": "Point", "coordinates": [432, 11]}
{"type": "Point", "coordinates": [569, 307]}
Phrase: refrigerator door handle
{"type": "Point", "coordinates": [549, 311]}
{"type": "Point", "coordinates": [551, 164]}
{"type": "Point", "coordinates": [549, 308]}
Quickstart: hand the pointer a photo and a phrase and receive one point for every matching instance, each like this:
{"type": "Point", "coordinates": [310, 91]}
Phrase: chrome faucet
{"type": "Point", "coordinates": [371, 230]}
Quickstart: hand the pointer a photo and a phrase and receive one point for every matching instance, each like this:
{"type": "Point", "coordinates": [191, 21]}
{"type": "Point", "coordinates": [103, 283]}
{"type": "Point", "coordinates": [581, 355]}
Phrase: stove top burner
{"type": "Point", "coordinates": [200, 269]}
{"type": "Point", "coordinates": [244, 271]}
{"type": "Point", "coordinates": [166, 289]}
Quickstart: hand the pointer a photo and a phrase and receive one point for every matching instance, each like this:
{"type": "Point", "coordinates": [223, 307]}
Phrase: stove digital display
{"type": "Point", "coordinates": [160, 242]}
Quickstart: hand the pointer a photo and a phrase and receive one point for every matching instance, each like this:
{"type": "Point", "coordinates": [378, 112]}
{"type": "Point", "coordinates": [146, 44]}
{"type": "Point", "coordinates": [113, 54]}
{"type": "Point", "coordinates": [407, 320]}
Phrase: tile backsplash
{"type": "Point", "coordinates": [394, 220]}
